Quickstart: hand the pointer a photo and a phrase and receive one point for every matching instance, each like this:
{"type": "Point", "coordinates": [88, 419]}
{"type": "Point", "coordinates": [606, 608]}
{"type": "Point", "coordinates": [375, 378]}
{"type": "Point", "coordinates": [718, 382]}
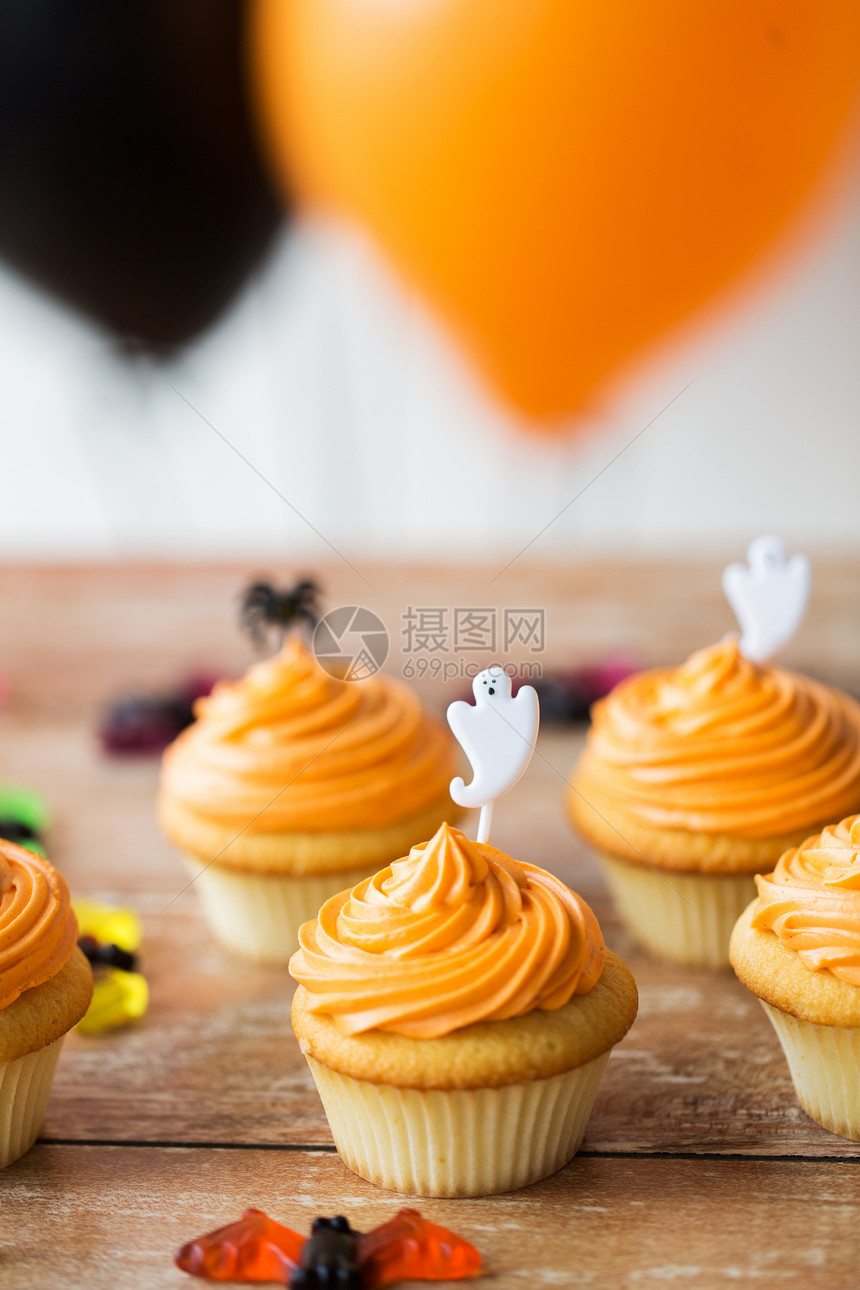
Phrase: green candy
{"type": "Point", "coordinates": [27, 807]}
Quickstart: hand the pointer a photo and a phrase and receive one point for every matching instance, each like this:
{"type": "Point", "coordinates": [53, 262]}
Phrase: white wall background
{"type": "Point", "coordinates": [349, 403]}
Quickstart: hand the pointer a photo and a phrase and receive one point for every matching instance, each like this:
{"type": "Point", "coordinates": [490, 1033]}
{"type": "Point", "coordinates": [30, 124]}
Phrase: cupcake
{"type": "Point", "coordinates": [695, 778]}
{"type": "Point", "coordinates": [45, 988]}
{"type": "Point", "coordinates": [797, 948]}
{"type": "Point", "coordinates": [291, 784]}
{"type": "Point", "coordinates": [457, 1011]}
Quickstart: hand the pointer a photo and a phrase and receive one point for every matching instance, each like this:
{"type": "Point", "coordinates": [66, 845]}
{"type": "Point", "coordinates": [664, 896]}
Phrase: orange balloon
{"type": "Point", "coordinates": [563, 179]}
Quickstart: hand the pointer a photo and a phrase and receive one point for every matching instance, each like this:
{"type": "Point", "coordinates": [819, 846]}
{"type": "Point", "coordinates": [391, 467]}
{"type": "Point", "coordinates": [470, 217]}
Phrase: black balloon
{"type": "Point", "coordinates": [130, 180]}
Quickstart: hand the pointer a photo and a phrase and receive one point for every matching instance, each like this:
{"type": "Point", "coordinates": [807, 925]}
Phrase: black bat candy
{"type": "Point", "coordinates": [334, 1256]}
{"type": "Point", "coordinates": [329, 1258]}
{"type": "Point", "coordinates": [108, 954]}
{"type": "Point", "coordinates": [17, 831]}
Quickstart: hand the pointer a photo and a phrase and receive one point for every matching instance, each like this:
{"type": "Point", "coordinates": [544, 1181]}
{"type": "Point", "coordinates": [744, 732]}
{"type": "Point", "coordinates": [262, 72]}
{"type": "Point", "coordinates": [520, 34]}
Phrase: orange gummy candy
{"type": "Point", "coordinates": [256, 1248]}
{"type": "Point", "coordinates": [408, 1246]}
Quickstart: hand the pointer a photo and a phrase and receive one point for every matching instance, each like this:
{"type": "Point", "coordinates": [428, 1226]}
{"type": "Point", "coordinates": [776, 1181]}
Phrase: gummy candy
{"type": "Point", "coordinates": [329, 1257]}
{"type": "Point", "coordinates": [107, 955]}
{"type": "Point", "coordinates": [118, 997]}
{"type": "Point", "coordinates": [140, 724]}
{"type": "Point", "coordinates": [24, 817]}
{"type": "Point", "coordinates": [109, 936]}
{"type": "Point", "coordinates": [256, 1248]}
{"type": "Point", "coordinates": [146, 723]}
{"type": "Point", "coordinates": [409, 1246]}
{"type": "Point", "coordinates": [25, 806]}
{"type": "Point", "coordinates": [12, 831]}
{"type": "Point", "coordinates": [108, 924]}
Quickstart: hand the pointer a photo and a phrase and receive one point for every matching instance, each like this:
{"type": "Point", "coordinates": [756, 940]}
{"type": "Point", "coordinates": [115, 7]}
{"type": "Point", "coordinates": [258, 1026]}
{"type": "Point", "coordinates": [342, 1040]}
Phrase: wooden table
{"type": "Point", "coordinates": [698, 1167]}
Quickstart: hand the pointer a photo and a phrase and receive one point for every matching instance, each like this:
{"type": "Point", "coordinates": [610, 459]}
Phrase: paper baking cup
{"type": "Point", "coordinates": [259, 915]}
{"type": "Point", "coordinates": [458, 1142]}
{"type": "Point", "coordinates": [687, 917]}
{"type": "Point", "coordinates": [24, 1088]}
{"type": "Point", "coordinates": [824, 1062]}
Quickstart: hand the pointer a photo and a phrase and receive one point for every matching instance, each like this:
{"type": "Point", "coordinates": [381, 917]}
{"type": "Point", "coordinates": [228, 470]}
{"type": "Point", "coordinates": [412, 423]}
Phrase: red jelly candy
{"type": "Point", "coordinates": [254, 1249]}
{"type": "Point", "coordinates": [409, 1246]}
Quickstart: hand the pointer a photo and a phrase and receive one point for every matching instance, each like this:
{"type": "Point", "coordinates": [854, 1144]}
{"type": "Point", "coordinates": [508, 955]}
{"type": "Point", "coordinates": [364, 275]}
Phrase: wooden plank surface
{"type": "Point", "coordinates": [686, 1159]}
{"type": "Point", "coordinates": [72, 636]}
{"type": "Point", "coordinates": [613, 1223]}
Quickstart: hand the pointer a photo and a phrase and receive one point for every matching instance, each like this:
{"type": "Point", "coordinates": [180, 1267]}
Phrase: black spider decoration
{"type": "Point", "coordinates": [264, 607]}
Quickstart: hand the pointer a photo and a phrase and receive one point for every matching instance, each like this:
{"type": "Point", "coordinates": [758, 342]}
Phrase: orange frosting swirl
{"type": "Point", "coordinates": [456, 932]}
{"type": "Point", "coordinates": [289, 747]}
{"type": "Point", "coordinates": [721, 745]}
{"type": "Point", "coordinates": [812, 901]}
{"type": "Point", "coordinates": [38, 929]}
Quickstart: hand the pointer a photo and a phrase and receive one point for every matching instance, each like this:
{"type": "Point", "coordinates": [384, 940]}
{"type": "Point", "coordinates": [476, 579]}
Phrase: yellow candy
{"type": "Point", "coordinates": [118, 997]}
{"type": "Point", "coordinates": [109, 924]}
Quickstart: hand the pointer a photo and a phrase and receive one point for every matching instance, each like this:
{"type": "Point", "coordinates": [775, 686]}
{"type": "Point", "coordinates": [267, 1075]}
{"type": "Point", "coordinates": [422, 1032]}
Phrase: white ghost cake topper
{"type": "Point", "coordinates": [498, 734]}
{"type": "Point", "coordinates": [769, 597]}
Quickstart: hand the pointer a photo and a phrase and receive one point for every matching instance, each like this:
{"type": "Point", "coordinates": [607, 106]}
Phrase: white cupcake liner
{"type": "Point", "coordinates": [824, 1062]}
{"type": "Point", "coordinates": [259, 915]}
{"type": "Point", "coordinates": [458, 1142]}
{"type": "Point", "coordinates": [25, 1085]}
{"type": "Point", "coordinates": [686, 917]}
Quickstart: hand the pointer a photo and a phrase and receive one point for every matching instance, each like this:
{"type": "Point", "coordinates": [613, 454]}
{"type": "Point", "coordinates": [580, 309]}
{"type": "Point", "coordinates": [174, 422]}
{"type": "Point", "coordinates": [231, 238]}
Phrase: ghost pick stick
{"type": "Point", "coordinates": [498, 735]}
{"type": "Point", "coordinates": [769, 597]}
